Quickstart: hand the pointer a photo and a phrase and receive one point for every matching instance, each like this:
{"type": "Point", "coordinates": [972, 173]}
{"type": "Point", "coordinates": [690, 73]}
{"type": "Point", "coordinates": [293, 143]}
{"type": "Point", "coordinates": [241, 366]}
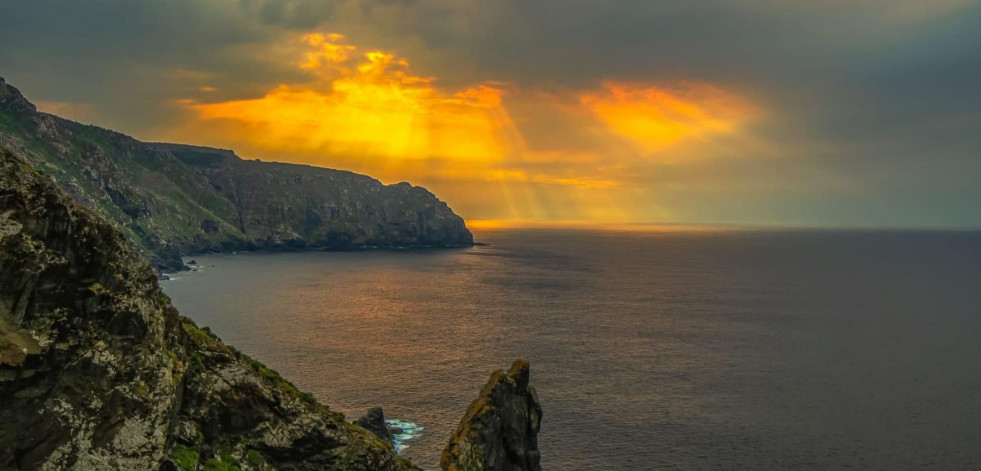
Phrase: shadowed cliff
{"type": "Point", "coordinates": [99, 372]}
{"type": "Point", "coordinates": [500, 429]}
{"type": "Point", "coordinates": [172, 199]}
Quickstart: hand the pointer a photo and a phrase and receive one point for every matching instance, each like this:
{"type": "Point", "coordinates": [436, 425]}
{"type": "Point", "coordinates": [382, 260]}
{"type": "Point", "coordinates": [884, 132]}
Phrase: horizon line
{"type": "Point", "coordinates": [520, 223]}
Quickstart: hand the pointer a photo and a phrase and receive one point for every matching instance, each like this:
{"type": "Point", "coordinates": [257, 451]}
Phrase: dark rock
{"type": "Point", "coordinates": [500, 429]}
{"type": "Point", "coordinates": [193, 199]}
{"type": "Point", "coordinates": [99, 372]}
{"type": "Point", "coordinates": [374, 422]}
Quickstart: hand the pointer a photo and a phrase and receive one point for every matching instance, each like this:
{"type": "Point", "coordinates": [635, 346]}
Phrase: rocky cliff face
{"type": "Point", "coordinates": [170, 199]}
{"type": "Point", "coordinates": [99, 372]}
{"type": "Point", "coordinates": [500, 429]}
{"type": "Point", "coordinates": [374, 422]}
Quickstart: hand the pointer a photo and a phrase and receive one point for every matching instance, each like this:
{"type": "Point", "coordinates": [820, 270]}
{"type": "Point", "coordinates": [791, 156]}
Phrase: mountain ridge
{"type": "Point", "coordinates": [173, 199]}
{"type": "Point", "coordinates": [98, 371]}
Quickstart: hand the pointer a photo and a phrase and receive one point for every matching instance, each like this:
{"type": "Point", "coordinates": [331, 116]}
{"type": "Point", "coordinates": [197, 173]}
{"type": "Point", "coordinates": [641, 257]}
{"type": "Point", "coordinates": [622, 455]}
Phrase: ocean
{"type": "Point", "coordinates": [656, 348]}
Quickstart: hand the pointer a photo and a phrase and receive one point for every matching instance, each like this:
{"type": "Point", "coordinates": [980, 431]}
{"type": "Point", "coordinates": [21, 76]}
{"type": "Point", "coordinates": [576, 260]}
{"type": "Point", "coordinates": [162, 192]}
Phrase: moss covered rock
{"type": "Point", "coordinates": [99, 372]}
{"type": "Point", "coordinates": [500, 429]}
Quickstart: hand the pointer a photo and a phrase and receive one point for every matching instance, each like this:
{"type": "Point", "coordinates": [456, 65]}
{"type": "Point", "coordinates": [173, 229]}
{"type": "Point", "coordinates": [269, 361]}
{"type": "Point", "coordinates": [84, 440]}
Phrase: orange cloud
{"type": "Point", "coordinates": [518, 175]}
{"type": "Point", "coordinates": [368, 105]}
{"type": "Point", "coordinates": [654, 118]}
{"type": "Point", "coordinates": [327, 51]}
{"type": "Point", "coordinates": [492, 150]}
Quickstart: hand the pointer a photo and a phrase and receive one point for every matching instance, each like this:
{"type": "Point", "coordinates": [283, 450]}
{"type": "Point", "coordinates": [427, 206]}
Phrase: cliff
{"type": "Point", "coordinates": [99, 372]}
{"type": "Point", "coordinates": [172, 199]}
{"type": "Point", "coordinates": [500, 429]}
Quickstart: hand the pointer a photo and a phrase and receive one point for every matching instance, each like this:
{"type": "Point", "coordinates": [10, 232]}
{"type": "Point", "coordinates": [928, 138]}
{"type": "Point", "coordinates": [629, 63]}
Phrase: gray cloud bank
{"type": "Point", "coordinates": [881, 97]}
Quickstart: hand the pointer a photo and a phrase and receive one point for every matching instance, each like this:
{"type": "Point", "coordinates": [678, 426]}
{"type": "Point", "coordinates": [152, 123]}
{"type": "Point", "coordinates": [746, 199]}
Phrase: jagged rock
{"type": "Point", "coordinates": [99, 372]}
{"type": "Point", "coordinates": [171, 199]}
{"type": "Point", "coordinates": [374, 422]}
{"type": "Point", "coordinates": [500, 429]}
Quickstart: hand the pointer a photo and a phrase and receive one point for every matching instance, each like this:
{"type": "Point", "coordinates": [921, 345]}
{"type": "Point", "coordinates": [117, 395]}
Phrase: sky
{"type": "Point", "coordinates": [836, 113]}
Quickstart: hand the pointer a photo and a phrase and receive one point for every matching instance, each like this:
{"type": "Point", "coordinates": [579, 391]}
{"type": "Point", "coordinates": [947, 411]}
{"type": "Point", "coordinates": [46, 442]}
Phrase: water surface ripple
{"type": "Point", "coordinates": [694, 350]}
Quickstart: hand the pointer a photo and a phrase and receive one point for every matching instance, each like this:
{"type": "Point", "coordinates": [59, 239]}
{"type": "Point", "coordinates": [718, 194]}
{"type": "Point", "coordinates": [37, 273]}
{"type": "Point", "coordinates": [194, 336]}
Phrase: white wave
{"type": "Point", "coordinates": [409, 430]}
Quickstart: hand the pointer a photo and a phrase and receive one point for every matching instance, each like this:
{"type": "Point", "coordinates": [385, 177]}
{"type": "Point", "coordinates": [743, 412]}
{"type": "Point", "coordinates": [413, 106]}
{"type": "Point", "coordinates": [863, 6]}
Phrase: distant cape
{"type": "Point", "coordinates": [98, 371]}
{"type": "Point", "coordinates": [172, 199]}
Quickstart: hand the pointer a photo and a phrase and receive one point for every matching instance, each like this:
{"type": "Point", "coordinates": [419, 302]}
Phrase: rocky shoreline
{"type": "Point", "coordinates": [172, 200]}
{"type": "Point", "coordinates": [189, 266]}
{"type": "Point", "coordinates": [98, 371]}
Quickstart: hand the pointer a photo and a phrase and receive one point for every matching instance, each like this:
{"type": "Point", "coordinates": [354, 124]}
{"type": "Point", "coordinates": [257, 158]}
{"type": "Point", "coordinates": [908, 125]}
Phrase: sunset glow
{"type": "Point", "coordinates": [369, 111]}
{"type": "Point", "coordinates": [655, 118]}
{"type": "Point", "coordinates": [369, 105]}
{"type": "Point", "coordinates": [725, 234]}
{"type": "Point", "coordinates": [859, 112]}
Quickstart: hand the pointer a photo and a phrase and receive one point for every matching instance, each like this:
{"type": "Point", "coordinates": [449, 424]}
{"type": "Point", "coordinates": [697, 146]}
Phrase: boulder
{"type": "Point", "coordinates": [500, 429]}
{"type": "Point", "coordinates": [374, 422]}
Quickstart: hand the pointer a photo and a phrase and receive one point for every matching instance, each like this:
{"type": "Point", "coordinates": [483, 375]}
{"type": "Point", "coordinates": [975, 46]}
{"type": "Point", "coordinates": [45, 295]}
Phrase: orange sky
{"type": "Point", "coordinates": [857, 113]}
{"type": "Point", "coordinates": [479, 147]}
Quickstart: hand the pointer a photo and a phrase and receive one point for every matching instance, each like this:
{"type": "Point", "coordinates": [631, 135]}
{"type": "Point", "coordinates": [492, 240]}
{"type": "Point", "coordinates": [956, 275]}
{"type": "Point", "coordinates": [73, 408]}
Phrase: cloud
{"type": "Point", "coordinates": [563, 107]}
{"type": "Point", "coordinates": [364, 105]}
{"type": "Point", "coordinates": [369, 111]}
{"type": "Point", "coordinates": [655, 118]}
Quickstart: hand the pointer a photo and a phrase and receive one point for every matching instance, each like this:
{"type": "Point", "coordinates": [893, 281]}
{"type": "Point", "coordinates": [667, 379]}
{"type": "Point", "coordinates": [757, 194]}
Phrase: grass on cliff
{"type": "Point", "coordinates": [186, 458]}
{"type": "Point", "coordinates": [203, 339]}
{"type": "Point", "coordinates": [224, 462]}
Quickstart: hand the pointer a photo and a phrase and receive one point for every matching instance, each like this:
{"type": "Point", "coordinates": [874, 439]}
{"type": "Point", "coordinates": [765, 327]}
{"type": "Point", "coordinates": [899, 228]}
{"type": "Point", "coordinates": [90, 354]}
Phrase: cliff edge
{"type": "Point", "coordinates": [500, 429]}
{"type": "Point", "coordinates": [99, 372]}
{"type": "Point", "coordinates": [174, 199]}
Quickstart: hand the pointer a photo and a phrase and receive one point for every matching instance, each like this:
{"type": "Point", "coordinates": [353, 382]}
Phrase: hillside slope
{"type": "Point", "coordinates": [99, 372]}
{"type": "Point", "coordinates": [171, 199]}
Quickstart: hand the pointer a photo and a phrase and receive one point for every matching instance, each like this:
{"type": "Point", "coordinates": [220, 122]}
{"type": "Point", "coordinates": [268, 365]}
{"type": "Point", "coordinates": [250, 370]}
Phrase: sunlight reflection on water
{"type": "Point", "coordinates": [650, 350]}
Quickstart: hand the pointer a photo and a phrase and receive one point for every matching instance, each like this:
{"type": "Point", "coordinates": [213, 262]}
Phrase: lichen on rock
{"type": "Point", "coordinates": [99, 372]}
{"type": "Point", "coordinates": [500, 429]}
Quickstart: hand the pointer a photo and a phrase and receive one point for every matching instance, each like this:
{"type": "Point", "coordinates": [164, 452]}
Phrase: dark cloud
{"type": "Point", "coordinates": [880, 91]}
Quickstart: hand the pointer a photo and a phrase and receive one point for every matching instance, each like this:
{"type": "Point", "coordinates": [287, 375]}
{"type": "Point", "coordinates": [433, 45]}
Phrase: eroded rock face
{"type": "Point", "coordinates": [374, 422]}
{"type": "Point", "coordinates": [172, 199]}
{"type": "Point", "coordinates": [99, 372]}
{"type": "Point", "coordinates": [500, 429]}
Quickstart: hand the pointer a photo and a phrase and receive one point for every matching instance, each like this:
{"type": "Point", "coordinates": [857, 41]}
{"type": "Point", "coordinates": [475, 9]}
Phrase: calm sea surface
{"type": "Point", "coordinates": [660, 349]}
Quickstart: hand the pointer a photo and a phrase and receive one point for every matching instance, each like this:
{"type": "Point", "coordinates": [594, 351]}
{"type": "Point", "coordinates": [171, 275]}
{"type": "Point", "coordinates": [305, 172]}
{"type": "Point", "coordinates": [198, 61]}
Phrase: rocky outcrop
{"type": "Point", "coordinates": [500, 429]}
{"type": "Point", "coordinates": [99, 372]}
{"type": "Point", "coordinates": [374, 422]}
{"type": "Point", "coordinates": [171, 199]}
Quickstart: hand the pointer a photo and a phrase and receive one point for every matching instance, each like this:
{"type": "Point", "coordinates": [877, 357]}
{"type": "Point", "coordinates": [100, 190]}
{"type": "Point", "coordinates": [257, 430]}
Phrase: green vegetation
{"type": "Point", "coordinates": [202, 336]}
{"type": "Point", "coordinates": [282, 384]}
{"type": "Point", "coordinates": [254, 458]}
{"type": "Point", "coordinates": [186, 458]}
{"type": "Point", "coordinates": [221, 402]}
{"type": "Point", "coordinates": [204, 339]}
{"type": "Point", "coordinates": [406, 463]}
{"type": "Point", "coordinates": [223, 462]}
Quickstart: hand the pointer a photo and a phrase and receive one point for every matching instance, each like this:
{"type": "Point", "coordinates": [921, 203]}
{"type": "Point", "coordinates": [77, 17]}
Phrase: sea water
{"type": "Point", "coordinates": [650, 349]}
